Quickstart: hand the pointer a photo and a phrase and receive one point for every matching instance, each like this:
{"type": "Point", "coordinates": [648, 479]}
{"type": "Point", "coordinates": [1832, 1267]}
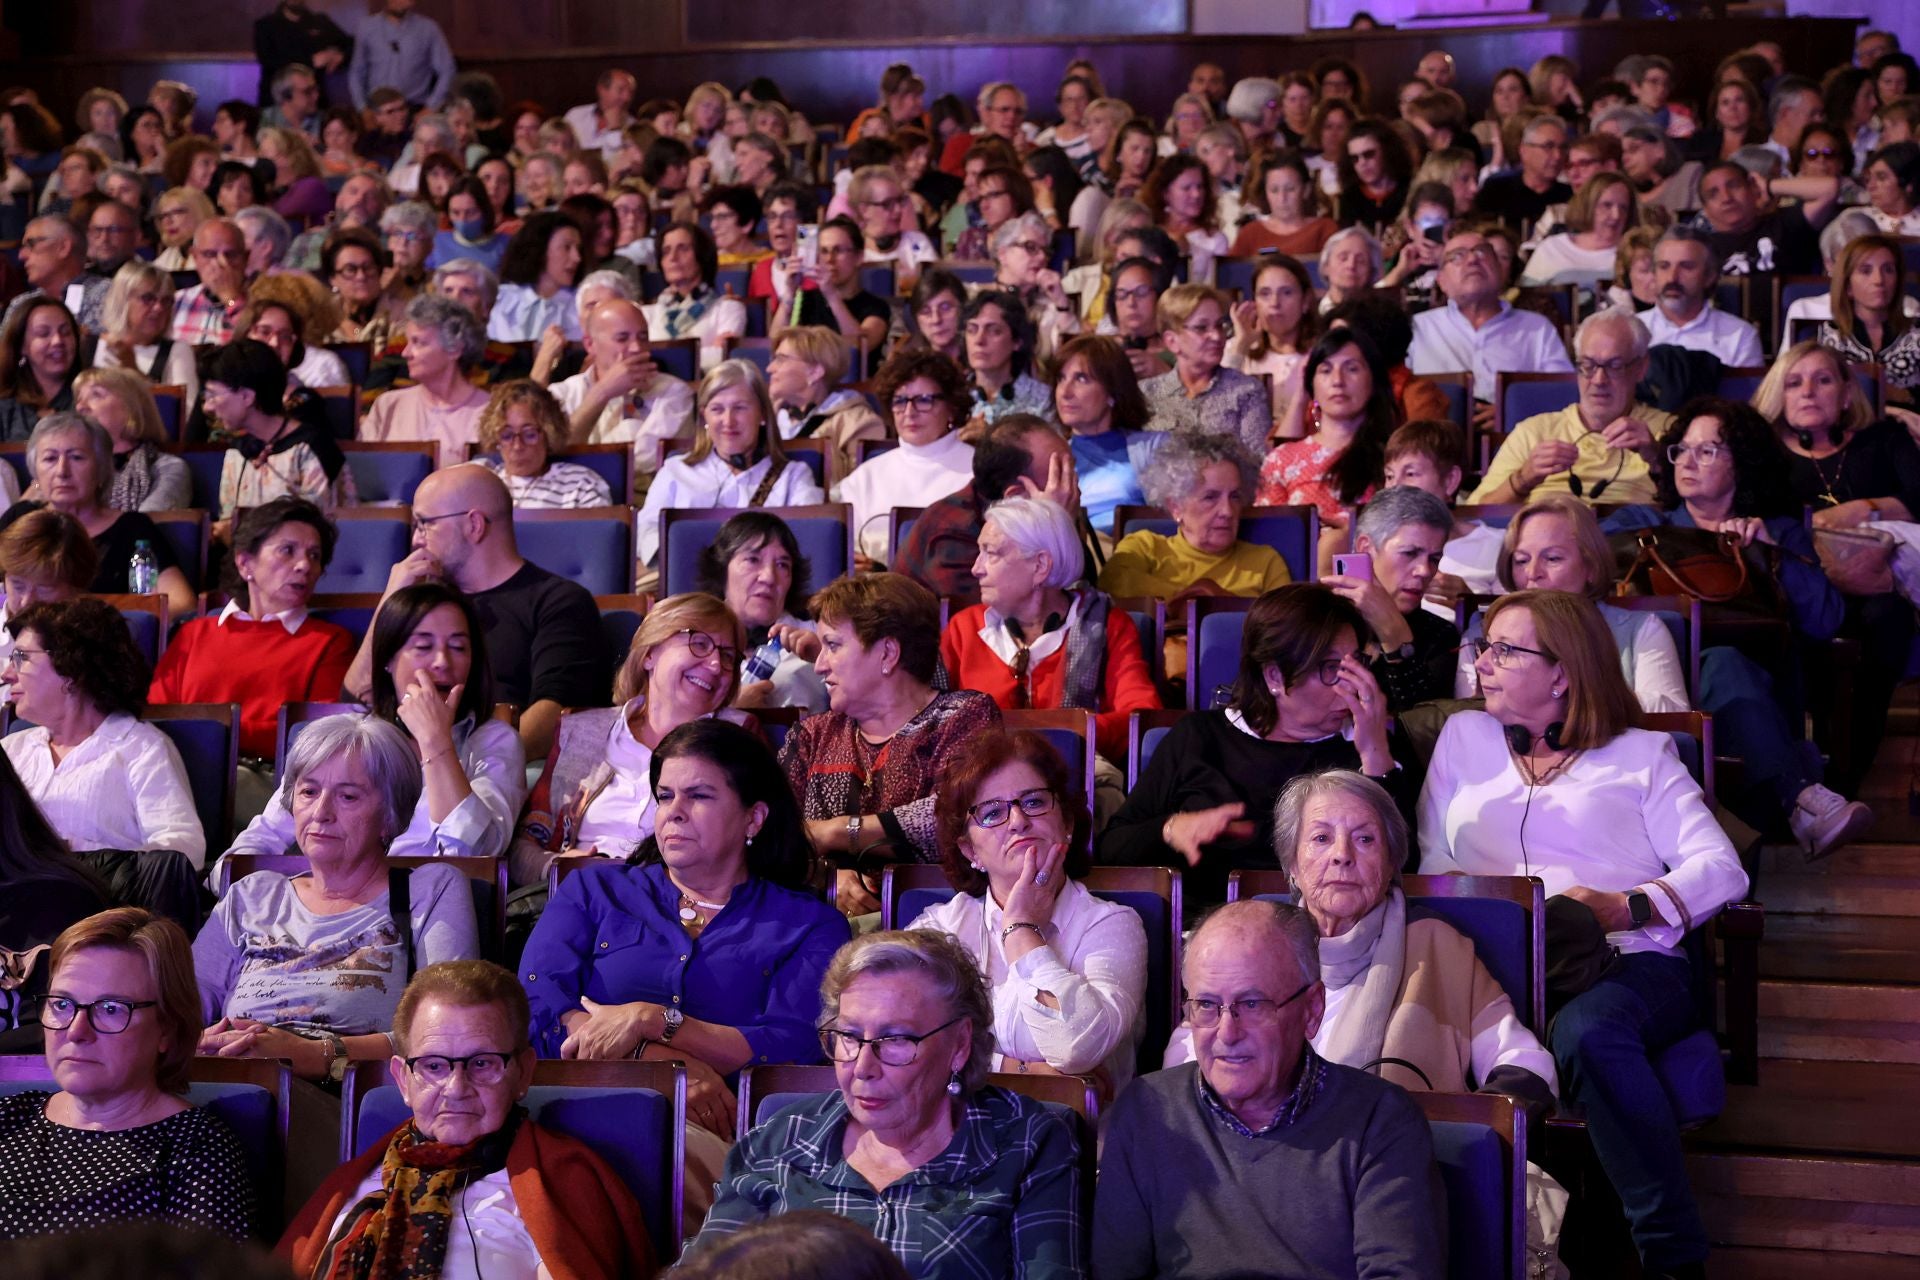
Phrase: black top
{"type": "Point", "coordinates": [116, 547]}
{"type": "Point", "coordinates": [18, 419]}
{"type": "Point", "coordinates": [33, 912]}
{"type": "Point", "coordinates": [1206, 760]}
{"type": "Point", "coordinates": [863, 305]}
{"type": "Point", "coordinates": [1358, 209]}
{"type": "Point", "coordinates": [280, 41]}
{"type": "Point", "coordinates": [1879, 461]}
{"type": "Point", "coordinates": [1782, 242]}
{"type": "Point", "coordinates": [1428, 674]}
{"type": "Point", "coordinates": [544, 641]}
{"type": "Point", "coordinates": [185, 1171]}
{"type": "Point", "coordinates": [1517, 204]}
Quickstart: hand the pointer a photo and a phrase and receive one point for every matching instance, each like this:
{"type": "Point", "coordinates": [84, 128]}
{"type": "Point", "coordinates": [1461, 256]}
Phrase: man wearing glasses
{"type": "Point", "coordinates": [1306, 1165]}
{"type": "Point", "coordinates": [54, 256]}
{"type": "Point", "coordinates": [205, 313]}
{"type": "Point", "coordinates": [1476, 330]}
{"type": "Point", "coordinates": [1519, 199]}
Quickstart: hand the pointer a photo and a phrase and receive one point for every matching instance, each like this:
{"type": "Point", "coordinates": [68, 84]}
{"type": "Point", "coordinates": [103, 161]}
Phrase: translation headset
{"type": "Point", "coordinates": [1522, 741]}
{"type": "Point", "coordinates": [1835, 434]}
{"type": "Point", "coordinates": [1578, 489]}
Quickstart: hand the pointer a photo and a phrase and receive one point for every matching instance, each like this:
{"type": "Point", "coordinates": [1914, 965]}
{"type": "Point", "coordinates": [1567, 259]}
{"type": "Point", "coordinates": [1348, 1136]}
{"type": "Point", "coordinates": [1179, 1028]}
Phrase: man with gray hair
{"type": "Point", "coordinates": [1601, 447]}
{"type": "Point", "coordinates": [442, 407]}
{"type": "Point", "coordinates": [1653, 165]}
{"type": "Point", "coordinates": [359, 203]}
{"type": "Point", "coordinates": [1518, 199]}
{"type": "Point", "coordinates": [54, 254]}
{"type": "Point", "coordinates": [1794, 104]}
{"type": "Point", "coordinates": [1402, 533]}
{"type": "Point", "coordinates": [296, 101]}
{"type": "Point", "coordinates": [1684, 273]}
{"type": "Point", "coordinates": [267, 238]}
{"type": "Point", "coordinates": [1254, 105]}
{"type": "Point", "coordinates": [1261, 1149]}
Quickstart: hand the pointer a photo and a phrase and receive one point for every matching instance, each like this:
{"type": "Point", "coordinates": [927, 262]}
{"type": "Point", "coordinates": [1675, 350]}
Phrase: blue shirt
{"type": "Point", "coordinates": [1109, 469]}
{"type": "Point", "coordinates": [410, 55]}
{"type": "Point", "coordinates": [613, 934]}
{"type": "Point", "coordinates": [447, 248]}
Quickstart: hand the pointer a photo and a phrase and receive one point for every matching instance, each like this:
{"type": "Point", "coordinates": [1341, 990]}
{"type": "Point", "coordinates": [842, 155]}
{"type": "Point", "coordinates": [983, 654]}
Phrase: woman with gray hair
{"type": "Point", "coordinates": [1350, 262]}
{"type": "Point", "coordinates": [408, 229]}
{"type": "Point", "coordinates": [442, 407]}
{"type": "Point", "coordinates": [1402, 533]}
{"type": "Point", "coordinates": [309, 968]}
{"type": "Point", "coordinates": [1204, 482]}
{"type": "Point", "coordinates": [136, 317]}
{"type": "Point", "coordinates": [1023, 250]}
{"type": "Point", "coordinates": [915, 1142]}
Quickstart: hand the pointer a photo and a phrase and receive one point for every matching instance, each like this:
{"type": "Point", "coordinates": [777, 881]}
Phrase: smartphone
{"type": "Point", "coordinates": [1435, 233]}
{"type": "Point", "coordinates": [1354, 565]}
{"type": "Point", "coordinates": [810, 245]}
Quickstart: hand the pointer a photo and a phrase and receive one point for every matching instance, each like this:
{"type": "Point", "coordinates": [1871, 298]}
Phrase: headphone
{"type": "Point", "coordinates": [1522, 741]}
{"type": "Point", "coordinates": [1835, 434]}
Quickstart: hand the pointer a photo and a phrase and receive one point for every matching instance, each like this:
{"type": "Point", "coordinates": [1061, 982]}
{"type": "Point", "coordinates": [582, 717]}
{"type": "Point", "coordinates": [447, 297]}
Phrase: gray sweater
{"type": "Point", "coordinates": [1349, 1190]}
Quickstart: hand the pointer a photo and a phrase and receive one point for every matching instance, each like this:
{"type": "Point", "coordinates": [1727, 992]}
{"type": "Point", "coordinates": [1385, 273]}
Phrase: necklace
{"type": "Point", "coordinates": [688, 905]}
{"type": "Point", "coordinates": [1827, 482]}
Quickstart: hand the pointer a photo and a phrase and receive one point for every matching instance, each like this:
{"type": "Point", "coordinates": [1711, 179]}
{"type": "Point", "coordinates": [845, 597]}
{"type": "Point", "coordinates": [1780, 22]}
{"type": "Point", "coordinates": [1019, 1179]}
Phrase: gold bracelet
{"type": "Point", "coordinates": [436, 756]}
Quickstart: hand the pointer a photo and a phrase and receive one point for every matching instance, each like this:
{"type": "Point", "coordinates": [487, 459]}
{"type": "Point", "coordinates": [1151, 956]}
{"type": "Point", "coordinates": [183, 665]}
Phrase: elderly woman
{"type": "Point", "coordinates": [137, 314]}
{"type": "Point", "coordinates": [145, 477]}
{"type": "Point", "coordinates": [443, 407]}
{"type": "Point", "coordinates": [104, 778]}
{"type": "Point", "coordinates": [1200, 393]}
{"type": "Point", "coordinates": [309, 968]}
{"type": "Point", "coordinates": [432, 682]}
{"type": "Point", "coordinates": [537, 277]}
{"type": "Point", "coordinates": [1000, 346]}
{"type": "Point", "coordinates": [177, 215]}
{"type": "Point", "coordinates": [914, 1141]}
{"type": "Point", "coordinates": [71, 461]}
{"type": "Point", "coordinates": [1402, 532]}
{"type": "Point", "coordinates": [353, 262]}
{"type": "Point", "coordinates": [754, 564]}
{"type": "Point", "coordinates": [1204, 482]}
{"type": "Point", "coordinates": [804, 377]}
{"type": "Point", "coordinates": [923, 396]}
{"type": "Point", "coordinates": [716, 938]}
{"type": "Point", "coordinates": [1871, 323]}
{"type": "Point", "coordinates": [1098, 402]}
{"type": "Point", "coordinates": [39, 354]}
{"type": "Point", "coordinates": [690, 306]}
{"type": "Point", "coordinates": [1348, 413]}
{"type": "Point", "coordinates": [521, 429]}
{"type": "Point", "coordinates": [286, 447]}
{"type": "Point", "coordinates": [1598, 216]}
{"type": "Point", "coordinates": [1068, 971]}
{"type": "Point", "coordinates": [737, 460]}
{"type": "Point", "coordinates": [885, 213]}
{"type": "Point", "coordinates": [1892, 178]}
{"type": "Point", "coordinates": [1350, 263]}
{"type": "Point", "coordinates": [545, 1203]}
{"type": "Point", "coordinates": [1022, 249]}
{"type": "Point", "coordinates": [408, 229]}
{"type": "Point", "coordinates": [116, 1143]}
{"type": "Point", "coordinates": [594, 796]}
{"type": "Point", "coordinates": [1628, 845]}
{"type": "Point", "coordinates": [1305, 701]}
{"type": "Point", "coordinates": [865, 771]}
{"type": "Point", "coordinates": [263, 651]}
{"type": "Point", "coordinates": [1274, 331]}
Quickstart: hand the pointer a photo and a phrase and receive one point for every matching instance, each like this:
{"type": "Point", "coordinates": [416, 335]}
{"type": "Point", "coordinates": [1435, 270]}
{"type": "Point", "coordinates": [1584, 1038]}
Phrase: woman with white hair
{"type": "Point", "coordinates": [1023, 248]}
{"type": "Point", "coordinates": [408, 229]}
{"type": "Point", "coordinates": [266, 236]}
{"type": "Point", "coordinates": [309, 968]}
{"type": "Point", "coordinates": [443, 407]}
{"type": "Point", "coordinates": [137, 316]}
{"type": "Point", "coordinates": [1350, 264]}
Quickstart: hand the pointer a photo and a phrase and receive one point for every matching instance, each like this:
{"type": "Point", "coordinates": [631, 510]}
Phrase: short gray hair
{"type": "Point", "coordinates": [1014, 229]}
{"type": "Point", "coordinates": [988, 90]}
{"type": "Point", "coordinates": [434, 122]}
{"type": "Point", "coordinates": [410, 215]}
{"type": "Point", "coordinates": [389, 757]}
{"type": "Point", "coordinates": [1785, 92]}
{"type": "Point", "coordinates": [269, 226]}
{"type": "Point", "coordinates": [1391, 510]}
{"type": "Point", "coordinates": [58, 424]}
{"type": "Point", "coordinates": [1761, 162]}
{"type": "Point", "coordinates": [1345, 234]}
{"type": "Point", "coordinates": [489, 282]}
{"type": "Point", "coordinates": [283, 79]}
{"type": "Point", "coordinates": [1614, 318]}
{"type": "Point", "coordinates": [1290, 813]}
{"type": "Point", "coordinates": [1847, 226]}
{"type": "Point", "coordinates": [1293, 926]}
{"type": "Point", "coordinates": [937, 958]}
{"type": "Point", "coordinates": [1174, 470]}
{"type": "Point", "coordinates": [1686, 233]}
{"type": "Point", "coordinates": [1041, 524]}
{"type": "Point", "coordinates": [1248, 99]}
{"type": "Point", "coordinates": [612, 281]}
{"type": "Point", "coordinates": [1627, 117]}
{"type": "Point", "coordinates": [1654, 135]}
{"type": "Point", "coordinates": [1535, 125]}
{"type": "Point", "coordinates": [459, 332]}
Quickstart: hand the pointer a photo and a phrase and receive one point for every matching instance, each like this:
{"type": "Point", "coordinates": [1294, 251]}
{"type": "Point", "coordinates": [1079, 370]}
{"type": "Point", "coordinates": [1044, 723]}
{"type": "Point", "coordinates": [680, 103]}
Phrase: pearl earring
{"type": "Point", "coordinates": [1559, 693]}
{"type": "Point", "coordinates": [953, 1084]}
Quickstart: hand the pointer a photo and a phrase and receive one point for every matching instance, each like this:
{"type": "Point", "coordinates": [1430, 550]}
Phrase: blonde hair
{"type": "Point", "coordinates": [692, 611]}
{"type": "Point", "coordinates": [299, 152]}
{"type": "Point", "coordinates": [133, 274]}
{"type": "Point", "coordinates": [866, 175]}
{"type": "Point", "coordinates": [1112, 218]}
{"type": "Point", "coordinates": [1179, 303]}
{"type": "Point", "coordinates": [723, 377]}
{"type": "Point", "coordinates": [1771, 398]}
{"type": "Point", "coordinates": [817, 344]}
{"type": "Point", "coordinates": [538, 401]}
{"type": "Point", "coordinates": [1595, 551]}
{"type": "Point", "coordinates": [190, 198]}
{"type": "Point", "coordinates": [135, 393]}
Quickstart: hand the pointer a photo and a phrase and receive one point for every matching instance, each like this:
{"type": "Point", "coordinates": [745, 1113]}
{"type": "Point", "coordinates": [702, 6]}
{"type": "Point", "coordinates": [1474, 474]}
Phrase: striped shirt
{"type": "Point", "coordinates": [1003, 1200]}
{"type": "Point", "coordinates": [563, 485]}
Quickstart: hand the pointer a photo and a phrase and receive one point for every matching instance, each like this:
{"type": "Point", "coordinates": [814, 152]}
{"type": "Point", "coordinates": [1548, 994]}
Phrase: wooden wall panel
{"type": "Point", "coordinates": [730, 21]}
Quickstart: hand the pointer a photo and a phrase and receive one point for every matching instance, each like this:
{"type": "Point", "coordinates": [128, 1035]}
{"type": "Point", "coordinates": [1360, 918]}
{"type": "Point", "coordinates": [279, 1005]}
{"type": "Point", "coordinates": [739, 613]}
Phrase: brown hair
{"type": "Point", "coordinates": [1850, 255]}
{"type": "Point", "coordinates": [909, 363]}
{"type": "Point", "coordinates": [1595, 551]}
{"type": "Point", "coordinates": [131, 390]}
{"type": "Point", "coordinates": [886, 606]}
{"type": "Point", "coordinates": [1442, 442]}
{"type": "Point", "coordinates": [466, 983]}
{"type": "Point", "coordinates": [693, 609]}
{"type": "Point", "coordinates": [1580, 208]}
{"type": "Point", "coordinates": [1290, 628]}
{"type": "Point", "coordinates": [1309, 330]}
{"type": "Point", "coordinates": [1599, 705]}
{"type": "Point", "coordinates": [537, 400]}
{"type": "Point", "coordinates": [1107, 361]}
{"type": "Point", "coordinates": [1771, 398]}
{"type": "Point", "coordinates": [169, 956]}
{"type": "Point", "coordinates": [960, 784]}
{"type": "Point", "coordinates": [50, 546]}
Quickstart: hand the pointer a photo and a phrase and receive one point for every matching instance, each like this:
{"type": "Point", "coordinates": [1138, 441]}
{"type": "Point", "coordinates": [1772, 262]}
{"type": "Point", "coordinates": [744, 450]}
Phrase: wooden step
{"type": "Point", "coordinates": [1826, 1108]}
{"type": "Point", "coordinates": [1839, 1022]}
{"type": "Point", "coordinates": [1845, 1206]}
{"type": "Point", "coordinates": [1844, 948]}
{"type": "Point", "coordinates": [1877, 879]}
{"type": "Point", "coordinates": [1803, 1264]}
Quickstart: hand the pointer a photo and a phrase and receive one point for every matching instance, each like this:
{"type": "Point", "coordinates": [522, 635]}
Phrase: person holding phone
{"type": "Point", "coordinates": [1397, 546]}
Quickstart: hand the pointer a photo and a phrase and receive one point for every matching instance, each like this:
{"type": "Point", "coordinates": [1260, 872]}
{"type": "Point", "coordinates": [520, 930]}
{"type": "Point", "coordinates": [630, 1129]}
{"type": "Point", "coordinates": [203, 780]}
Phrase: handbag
{"type": "Point", "coordinates": [1858, 561]}
{"type": "Point", "coordinates": [1578, 953]}
{"type": "Point", "coordinates": [1700, 564]}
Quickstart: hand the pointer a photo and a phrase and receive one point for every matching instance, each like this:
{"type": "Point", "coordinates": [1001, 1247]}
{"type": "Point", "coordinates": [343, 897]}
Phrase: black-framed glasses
{"type": "Point", "coordinates": [1503, 653]}
{"type": "Point", "coordinates": [109, 1015]}
{"type": "Point", "coordinates": [893, 1051]}
{"type": "Point", "coordinates": [919, 404]}
{"type": "Point", "coordinates": [1254, 1011]}
{"type": "Point", "coordinates": [702, 645]}
{"type": "Point", "coordinates": [1612, 368]}
{"type": "Point", "coordinates": [482, 1068]}
{"type": "Point", "coordinates": [423, 522]}
{"type": "Point", "coordinates": [994, 813]}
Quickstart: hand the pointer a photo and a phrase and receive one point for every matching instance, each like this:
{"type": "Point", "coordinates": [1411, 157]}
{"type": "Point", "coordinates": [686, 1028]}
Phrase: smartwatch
{"type": "Point", "coordinates": [670, 1018]}
{"type": "Point", "coordinates": [1639, 908]}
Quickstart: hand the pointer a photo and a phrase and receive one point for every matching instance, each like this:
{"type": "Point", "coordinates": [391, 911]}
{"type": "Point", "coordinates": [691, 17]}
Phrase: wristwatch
{"type": "Point", "coordinates": [1639, 908]}
{"type": "Point", "coordinates": [854, 822]}
{"type": "Point", "coordinates": [1403, 654]}
{"type": "Point", "coordinates": [336, 1056]}
{"type": "Point", "coordinates": [670, 1020]}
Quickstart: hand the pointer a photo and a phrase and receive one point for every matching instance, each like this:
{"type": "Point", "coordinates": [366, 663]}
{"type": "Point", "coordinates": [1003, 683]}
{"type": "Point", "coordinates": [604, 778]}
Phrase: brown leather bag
{"type": "Point", "coordinates": [1699, 564]}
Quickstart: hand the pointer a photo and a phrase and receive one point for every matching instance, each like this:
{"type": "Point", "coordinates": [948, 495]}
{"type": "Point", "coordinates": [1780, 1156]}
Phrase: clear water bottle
{"type": "Point", "coordinates": [143, 570]}
{"type": "Point", "coordinates": [762, 661]}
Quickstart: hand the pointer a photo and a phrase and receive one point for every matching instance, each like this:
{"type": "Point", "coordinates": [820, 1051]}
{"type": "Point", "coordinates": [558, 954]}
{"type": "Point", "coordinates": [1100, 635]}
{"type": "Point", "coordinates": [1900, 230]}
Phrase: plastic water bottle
{"type": "Point", "coordinates": [143, 571]}
{"type": "Point", "coordinates": [762, 662]}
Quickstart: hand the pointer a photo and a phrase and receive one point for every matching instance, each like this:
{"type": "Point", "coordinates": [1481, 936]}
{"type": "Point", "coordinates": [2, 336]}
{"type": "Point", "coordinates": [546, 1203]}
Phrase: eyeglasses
{"type": "Point", "coordinates": [1329, 671]}
{"type": "Point", "coordinates": [994, 813]}
{"type": "Point", "coordinates": [1255, 1011]}
{"type": "Point", "coordinates": [988, 195]}
{"type": "Point", "coordinates": [919, 404]}
{"type": "Point", "coordinates": [421, 523]}
{"type": "Point", "coordinates": [354, 270]}
{"type": "Point", "coordinates": [895, 202]}
{"type": "Point", "coordinates": [1223, 326]}
{"type": "Point", "coordinates": [1612, 368]}
{"type": "Point", "coordinates": [408, 237]}
{"type": "Point", "coordinates": [532, 435]}
{"type": "Point", "coordinates": [1033, 247]}
{"type": "Point", "coordinates": [109, 1016]}
{"type": "Point", "coordinates": [16, 659]}
{"type": "Point", "coordinates": [1459, 256]}
{"type": "Point", "coordinates": [702, 645]}
{"type": "Point", "coordinates": [1504, 654]}
{"type": "Point", "coordinates": [1139, 293]}
{"type": "Point", "coordinates": [1371, 153]}
{"type": "Point", "coordinates": [893, 1051]}
{"type": "Point", "coordinates": [1819, 153]}
{"type": "Point", "coordinates": [481, 1068]}
{"type": "Point", "coordinates": [1704, 454]}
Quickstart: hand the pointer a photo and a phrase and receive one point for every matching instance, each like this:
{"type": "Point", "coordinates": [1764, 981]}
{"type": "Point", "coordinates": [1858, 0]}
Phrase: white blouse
{"type": "Point", "coordinates": [1625, 816]}
{"type": "Point", "coordinates": [520, 314]}
{"type": "Point", "coordinates": [1558, 260]}
{"type": "Point", "coordinates": [620, 816]}
{"type": "Point", "coordinates": [123, 788]}
{"type": "Point", "coordinates": [1094, 964]}
{"type": "Point", "coordinates": [710, 482]}
{"type": "Point", "coordinates": [909, 475]}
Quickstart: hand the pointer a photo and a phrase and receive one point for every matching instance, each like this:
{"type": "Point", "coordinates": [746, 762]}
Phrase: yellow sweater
{"type": "Point", "coordinates": [1145, 563]}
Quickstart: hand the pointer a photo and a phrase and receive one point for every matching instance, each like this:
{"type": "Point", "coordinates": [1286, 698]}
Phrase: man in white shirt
{"type": "Point", "coordinates": [1685, 273]}
{"type": "Point", "coordinates": [601, 124]}
{"type": "Point", "coordinates": [1477, 331]}
{"type": "Point", "coordinates": [622, 397]}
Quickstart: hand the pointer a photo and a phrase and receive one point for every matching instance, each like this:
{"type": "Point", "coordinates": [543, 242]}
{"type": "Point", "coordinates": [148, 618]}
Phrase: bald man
{"type": "Point", "coordinates": [543, 637]}
{"type": "Point", "coordinates": [205, 313]}
{"type": "Point", "coordinates": [621, 396]}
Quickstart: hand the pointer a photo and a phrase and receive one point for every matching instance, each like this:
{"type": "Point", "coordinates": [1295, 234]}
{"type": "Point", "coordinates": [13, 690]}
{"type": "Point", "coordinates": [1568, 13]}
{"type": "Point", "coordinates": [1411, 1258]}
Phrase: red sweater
{"type": "Point", "coordinates": [256, 664]}
{"type": "Point", "coordinates": [1128, 687]}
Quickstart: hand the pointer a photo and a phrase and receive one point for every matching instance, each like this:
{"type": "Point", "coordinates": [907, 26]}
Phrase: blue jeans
{"type": "Point", "coordinates": [1603, 1042]}
{"type": "Point", "coordinates": [1747, 715]}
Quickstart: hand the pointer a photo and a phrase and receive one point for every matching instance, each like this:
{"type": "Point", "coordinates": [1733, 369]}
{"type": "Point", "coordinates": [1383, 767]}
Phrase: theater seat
{"type": "Point", "coordinates": [372, 541]}
{"type": "Point", "coordinates": [592, 546]}
{"type": "Point", "coordinates": [1480, 1146]}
